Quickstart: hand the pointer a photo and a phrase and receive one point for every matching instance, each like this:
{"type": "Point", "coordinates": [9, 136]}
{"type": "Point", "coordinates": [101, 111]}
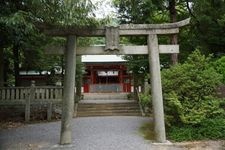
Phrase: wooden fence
{"type": "Point", "coordinates": [33, 95]}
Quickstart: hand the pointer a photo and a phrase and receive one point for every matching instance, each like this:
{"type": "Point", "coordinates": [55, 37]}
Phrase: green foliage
{"type": "Point", "coordinates": [152, 11]}
{"type": "Point", "coordinates": [130, 96]}
{"type": "Point", "coordinates": [134, 11]}
{"type": "Point", "coordinates": [139, 64]}
{"type": "Point", "coordinates": [219, 65]}
{"type": "Point", "coordinates": [64, 13]}
{"type": "Point", "coordinates": [189, 88]}
{"type": "Point", "coordinates": [189, 91]}
{"type": "Point", "coordinates": [19, 24]}
{"type": "Point", "coordinates": [18, 28]}
{"type": "Point", "coordinates": [145, 100]}
{"type": "Point", "coordinates": [212, 129]}
{"type": "Point", "coordinates": [209, 23]}
{"type": "Point", "coordinates": [147, 11]}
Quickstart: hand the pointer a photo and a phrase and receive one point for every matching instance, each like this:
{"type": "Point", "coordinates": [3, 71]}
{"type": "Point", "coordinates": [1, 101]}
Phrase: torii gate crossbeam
{"type": "Point", "coordinates": [112, 47]}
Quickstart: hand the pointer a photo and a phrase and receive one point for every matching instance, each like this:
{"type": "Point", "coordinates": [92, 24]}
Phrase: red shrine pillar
{"type": "Point", "coordinates": [121, 78]}
{"type": "Point", "coordinates": [92, 75]}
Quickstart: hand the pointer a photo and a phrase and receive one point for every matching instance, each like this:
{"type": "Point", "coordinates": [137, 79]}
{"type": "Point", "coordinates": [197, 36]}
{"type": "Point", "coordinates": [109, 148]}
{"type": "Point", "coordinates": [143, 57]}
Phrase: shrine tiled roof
{"type": "Point", "coordinates": [102, 58]}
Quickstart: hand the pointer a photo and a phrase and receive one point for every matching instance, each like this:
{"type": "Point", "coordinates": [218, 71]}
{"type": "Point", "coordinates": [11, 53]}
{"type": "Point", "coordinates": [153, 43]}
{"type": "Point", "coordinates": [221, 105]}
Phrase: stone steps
{"type": "Point", "coordinates": [104, 96]}
{"type": "Point", "coordinates": [107, 105]}
{"type": "Point", "coordinates": [108, 109]}
{"type": "Point", "coordinates": [108, 114]}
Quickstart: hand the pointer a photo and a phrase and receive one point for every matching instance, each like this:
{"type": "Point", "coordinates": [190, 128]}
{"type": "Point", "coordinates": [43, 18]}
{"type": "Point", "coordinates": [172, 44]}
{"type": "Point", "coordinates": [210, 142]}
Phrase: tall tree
{"type": "Point", "coordinates": [209, 24]}
{"type": "Point", "coordinates": [16, 26]}
{"type": "Point", "coordinates": [1, 68]}
{"type": "Point", "coordinates": [152, 11]}
{"type": "Point", "coordinates": [19, 19]}
{"type": "Point", "coordinates": [173, 18]}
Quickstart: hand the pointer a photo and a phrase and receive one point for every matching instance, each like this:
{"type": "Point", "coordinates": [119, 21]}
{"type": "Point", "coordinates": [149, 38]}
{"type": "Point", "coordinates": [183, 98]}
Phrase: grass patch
{"type": "Point", "coordinates": [147, 130]}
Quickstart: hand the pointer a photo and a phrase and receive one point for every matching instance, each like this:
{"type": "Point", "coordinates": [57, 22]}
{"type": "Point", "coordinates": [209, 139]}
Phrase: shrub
{"type": "Point", "coordinates": [145, 100]}
{"type": "Point", "coordinates": [130, 96]}
{"type": "Point", "coordinates": [189, 91]}
{"type": "Point", "coordinates": [219, 65]}
{"type": "Point", "coordinates": [208, 129]}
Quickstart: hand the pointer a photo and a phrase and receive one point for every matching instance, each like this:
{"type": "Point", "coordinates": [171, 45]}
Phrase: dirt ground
{"type": "Point", "coordinates": [202, 145]}
{"type": "Point", "coordinates": [10, 120]}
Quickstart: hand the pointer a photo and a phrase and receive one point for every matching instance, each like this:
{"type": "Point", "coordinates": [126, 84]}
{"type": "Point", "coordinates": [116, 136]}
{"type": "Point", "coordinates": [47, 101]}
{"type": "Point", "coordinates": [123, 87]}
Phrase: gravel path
{"type": "Point", "coordinates": [93, 133]}
{"type": "Point", "coordinates": [89, 133]}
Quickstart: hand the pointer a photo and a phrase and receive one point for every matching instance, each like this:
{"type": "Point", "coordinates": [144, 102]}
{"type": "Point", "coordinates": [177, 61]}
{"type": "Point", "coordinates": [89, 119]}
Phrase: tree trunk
{"type": "Point", "coordinates": [173, 18]}
{"type": "Point", "coordinates": [1, 68]}
{"type": "Point", "coordinates": [5, 71]}
{"type": "Point", "coordinates": [78, 82]}
{"type": "Point", "coordinates": [142, 83]}
{"type": "Point", "coordinates": [135, 80]}
{"type": "Point", "coordinates": [16, 64]}
{"type": "Point", "coordinates": [62, 65]}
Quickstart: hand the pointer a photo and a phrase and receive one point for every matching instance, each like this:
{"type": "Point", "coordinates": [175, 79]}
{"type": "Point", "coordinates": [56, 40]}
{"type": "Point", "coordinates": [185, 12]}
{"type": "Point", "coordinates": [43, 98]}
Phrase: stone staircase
{"type": "Point", "coordinates": [108, 109]}
{"type": "Point", "coordinates": [104, 96]}
{"type": "Point", "coordinates": [107, 105]}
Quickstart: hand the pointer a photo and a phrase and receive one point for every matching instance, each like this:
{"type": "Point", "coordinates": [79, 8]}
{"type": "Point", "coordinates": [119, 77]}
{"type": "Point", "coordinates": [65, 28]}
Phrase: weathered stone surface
{"type": "Point", "coordinates": [126, 29]}
{"type": "Point", "coordinates": [112, 43]}
{"type": "Point", "coordinates": [122, 50]}
{"type": "Point", "coordinates": [156, 89]}
{"type": "Point", "coordinates": [68, 96]}
{"type": "Point", "coordinates": [112, 39]}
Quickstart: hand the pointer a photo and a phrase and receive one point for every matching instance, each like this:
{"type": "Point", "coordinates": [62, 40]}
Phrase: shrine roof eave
{"type": "Point", "coordinates": [104, 63]}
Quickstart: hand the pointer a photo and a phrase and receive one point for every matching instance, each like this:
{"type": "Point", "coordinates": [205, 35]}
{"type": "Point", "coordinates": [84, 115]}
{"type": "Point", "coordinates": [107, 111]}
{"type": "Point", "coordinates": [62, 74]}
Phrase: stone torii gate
{"type": "Point", "coordinates": [112, 34]}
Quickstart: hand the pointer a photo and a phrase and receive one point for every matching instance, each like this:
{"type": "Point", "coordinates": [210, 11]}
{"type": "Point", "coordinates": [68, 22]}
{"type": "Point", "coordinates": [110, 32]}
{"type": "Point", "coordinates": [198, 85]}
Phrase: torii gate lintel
{"type": "Point", "coordinates": [124, 29]}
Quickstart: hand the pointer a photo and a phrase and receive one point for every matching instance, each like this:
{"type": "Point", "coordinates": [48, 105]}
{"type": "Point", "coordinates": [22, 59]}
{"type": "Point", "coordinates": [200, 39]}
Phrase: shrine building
{"type": "Point", "coordinates": [105, 74]}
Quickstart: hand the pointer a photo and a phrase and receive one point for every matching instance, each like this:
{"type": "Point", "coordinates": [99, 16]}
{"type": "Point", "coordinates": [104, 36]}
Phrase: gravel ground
{"type": "Point", "coordinates": [89, 133]}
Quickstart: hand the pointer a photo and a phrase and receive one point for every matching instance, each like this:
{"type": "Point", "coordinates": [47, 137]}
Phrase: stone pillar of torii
{"type": "Point", "coordinates": [112, 47]}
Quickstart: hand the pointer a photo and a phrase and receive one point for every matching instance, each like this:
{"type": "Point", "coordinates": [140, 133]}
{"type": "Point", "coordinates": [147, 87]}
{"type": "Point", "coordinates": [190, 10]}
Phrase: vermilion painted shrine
{"type": "Point", "coordinates": [106, 77]}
